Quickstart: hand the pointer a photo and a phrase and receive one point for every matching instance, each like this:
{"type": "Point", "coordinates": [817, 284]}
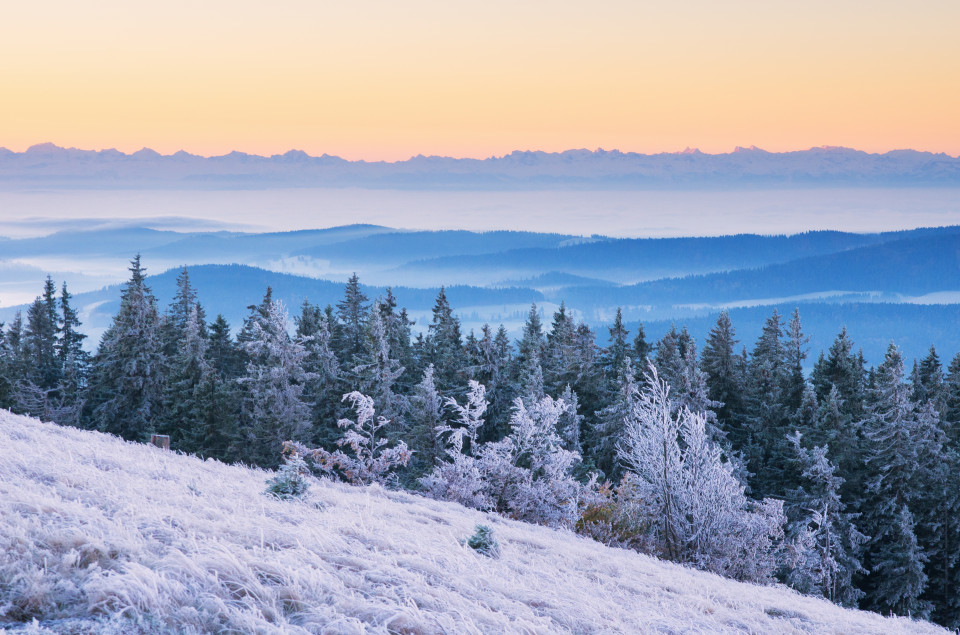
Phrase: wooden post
{"type": "Point", "coordinates": [160, 440]}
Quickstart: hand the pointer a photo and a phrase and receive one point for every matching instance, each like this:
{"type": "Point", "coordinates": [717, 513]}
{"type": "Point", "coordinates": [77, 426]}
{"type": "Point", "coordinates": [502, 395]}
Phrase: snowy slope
{"type": "Point", "coordinates": [105, 536]}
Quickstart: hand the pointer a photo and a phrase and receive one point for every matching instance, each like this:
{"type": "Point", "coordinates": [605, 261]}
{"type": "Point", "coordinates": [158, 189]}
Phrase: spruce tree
{"type": "Point", "coordinates": [443, 347]}
{"type": "Point", "coordinates": [528, 371]}
{"type": "Point", "coordinates": [40, 339]}
{"type": "Point", "coordinates": [725, 378]}
{"type": "Point", "coordinates": [795, 351]}
{"type": "Point", "coordinates": [900, 440]}
{"type": "Point", "coordinates": [424, 418]}
{"type": "Point", "coordinates": [36, 389]}
{"type": "Point", "coordinates": [74, 364]}
{"type": "Point", "coordinates": [187, 371]}
{"type": "Point", "coordinates": [323, 391]}
{"type": "Point", "coordinates": [559, 368]}
{"type": "Point", "coordinates": [828, 544]}
{"type": "Point", "coordinates": [927, 381]}
{"type": "Point", "coordinates": [350, 330]}
{"type": "Point", "coordinates": [222, 351]}
{"type": "Point", "coordinates": [767, 450]}
{"type": "Point", "coordinates": [378, 371]}
{"type": "Point", "coordinates": [641, 350]}
{"type": "Point", "coordinates": [843, 368]}
{"type": "Point", "coordinates": [272, 410]}
{"type": "Point", "coordinates": [126, 380]}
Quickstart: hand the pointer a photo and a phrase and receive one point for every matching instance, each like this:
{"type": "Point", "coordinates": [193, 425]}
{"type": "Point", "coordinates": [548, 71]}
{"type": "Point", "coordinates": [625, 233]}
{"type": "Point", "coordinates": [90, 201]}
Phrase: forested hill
{"type": "Point", "coordinates": [905, 267]}
{"type": "Point", "coordinates": [841, 482]}
{"type": "Point", "coordinates": [98, 535]}
{"type": "Point", "coordinates": [494, 276]}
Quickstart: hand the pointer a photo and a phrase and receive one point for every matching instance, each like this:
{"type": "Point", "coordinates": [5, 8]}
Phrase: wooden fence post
{"type": "Point", "coordinates": [160, 440]}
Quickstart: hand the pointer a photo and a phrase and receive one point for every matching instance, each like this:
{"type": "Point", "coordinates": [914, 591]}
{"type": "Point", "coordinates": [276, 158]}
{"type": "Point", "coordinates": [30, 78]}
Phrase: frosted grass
{"type": "Point", "coordinates": [99, 535]}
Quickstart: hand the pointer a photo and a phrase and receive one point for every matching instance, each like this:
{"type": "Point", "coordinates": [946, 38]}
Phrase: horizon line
{"type": "Point", "coordinates": [688, 151]}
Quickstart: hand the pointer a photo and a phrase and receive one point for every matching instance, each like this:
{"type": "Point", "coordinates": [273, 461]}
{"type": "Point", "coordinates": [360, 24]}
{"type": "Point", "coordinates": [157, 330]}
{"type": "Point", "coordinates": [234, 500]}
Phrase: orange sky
{"type": "Point", "coordinates": [387, 79]}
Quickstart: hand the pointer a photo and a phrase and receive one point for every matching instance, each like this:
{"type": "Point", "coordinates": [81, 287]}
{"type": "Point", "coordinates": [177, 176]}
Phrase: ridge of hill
{"type": "Point", "coordinates": [101, 535]}
{"type": "Point", "coordinates": [912, 266]}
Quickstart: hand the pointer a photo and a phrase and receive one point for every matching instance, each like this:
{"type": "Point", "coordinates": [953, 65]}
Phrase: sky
{"type": "Point", "coordinates": [386, 80]}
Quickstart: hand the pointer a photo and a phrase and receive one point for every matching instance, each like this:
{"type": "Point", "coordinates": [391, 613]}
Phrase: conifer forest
{"type": "Point", "coordinates": [762, 461]}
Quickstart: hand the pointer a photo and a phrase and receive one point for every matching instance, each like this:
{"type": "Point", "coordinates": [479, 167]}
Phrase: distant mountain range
{"type": "Point", "coordinates": [48, 165]}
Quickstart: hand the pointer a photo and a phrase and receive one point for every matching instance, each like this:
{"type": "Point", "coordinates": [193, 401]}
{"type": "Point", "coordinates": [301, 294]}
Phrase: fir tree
{"type": "Point", "coordinates": [829, 545]}
{"type": "Point", "coordinates": [35, 392]}
{"type": "Point", "coordinates": [126, 382]}
{"type": "Point", "coordinates": [900, 440]}
{"type": "Point", "coordinates": [843, 368]}
{"type": "Point", "coordinates": [617, 353]}
{"type": "Point", "coordinates": [641, 350]}
{"type": "Point", "coordinates": [322, 391]}
{"type": "Point", "coordinates": [222, 351]}
{"type": "Point", "coordinates": [724, 376]}
{"type": "Point", "coordinates": [443, 346]}
{"type": "Point", "coordinates": [795, 351]}
{"type": "Point", "coordinates": [927, 382]}
{"type": "Point", "coordinates": [424, 417]}
{"type": "Point", "coordinates": [559, 364]}
{"type": "Point", "coordinates": [350, 331]}
{"type": "Point", "coordinates": [377, 371]}
{"type": "Point", "coordinates": [767, 451]}
{"type": "Point", "coordinates": [74, 363]}
{"type": "Point", "coordinates": [530, 350]}
{"type": "Point", "coordinates": [187, 370]}
{"type": "Point", "coordinates": [272, 411]}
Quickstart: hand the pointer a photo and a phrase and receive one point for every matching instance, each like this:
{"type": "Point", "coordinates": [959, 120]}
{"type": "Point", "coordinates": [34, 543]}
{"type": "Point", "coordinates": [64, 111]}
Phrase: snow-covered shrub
{"type": "Point", "coordinates": [458, 478]}
{"type": "Point", "coordinates": [527, 474]}
{"type": "Point", "coordinates": [369, 460]}
{"type": "Point", "coordinates": [291, 479]}
{"type": "Point", "coordinates": [484, 542]}
{"type": "Point", "coordinates": [687, 498]}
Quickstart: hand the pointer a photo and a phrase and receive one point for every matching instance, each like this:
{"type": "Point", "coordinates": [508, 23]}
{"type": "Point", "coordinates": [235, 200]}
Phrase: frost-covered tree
{"type": "Point", "coordinates": [377, 371]}
{"type": "Point", "coordinates": [322, 389]}
{"type": "Point", "coordinates": [443, 346]}
{"type": "Point", "coordinates": [350, 331]}
{"type": "Point", "coordinates": [490, 365]}
{"type": "Point", "coordinates": [126, 381]}
{"type": "Point", "coordinates": [187, 370]}
{"type": "Point", "coordinates": [687, 497]}
{"type": "Point", "coordinates": [457, 475]}
{"type": "Point", "coordinates": [529, 473]}
{"type": "Point", "coordinates": [828, 546]}
{"type": "Point", "coordinates": [570, 422]}
{"type": "Point", "coordinates": [174, 327]}
{"type": "Point", "coordinates": [528, 375]}
{"type": "Point", "coordinates": [902, 443]}
{"type": "Point", "coordinates": [608, 430]}
{"type": "Point", "coordinates": [272, 410]}
{"type": "Point", "coordinates": [559, 367]}
{"type": "Point", "coordinates": [366, 455]}
{"type": "Point", "coordinates": [40, 339]}
{"type": "Point", "coordinates": [74, 364]}
{"type": "Point", "coordinates": [424, 416]}
{"type": "Point", "coordinates": [724, 375]}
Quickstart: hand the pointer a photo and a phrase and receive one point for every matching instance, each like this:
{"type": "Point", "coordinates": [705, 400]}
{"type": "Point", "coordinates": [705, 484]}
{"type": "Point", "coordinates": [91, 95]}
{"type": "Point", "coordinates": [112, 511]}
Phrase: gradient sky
{"type": "Point", "coordinates": [387, 79]}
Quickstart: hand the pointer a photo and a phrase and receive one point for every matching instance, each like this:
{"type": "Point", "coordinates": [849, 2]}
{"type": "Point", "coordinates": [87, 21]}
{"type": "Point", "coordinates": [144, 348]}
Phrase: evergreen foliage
{"type": "Point", "coordinates": [842, 484]}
